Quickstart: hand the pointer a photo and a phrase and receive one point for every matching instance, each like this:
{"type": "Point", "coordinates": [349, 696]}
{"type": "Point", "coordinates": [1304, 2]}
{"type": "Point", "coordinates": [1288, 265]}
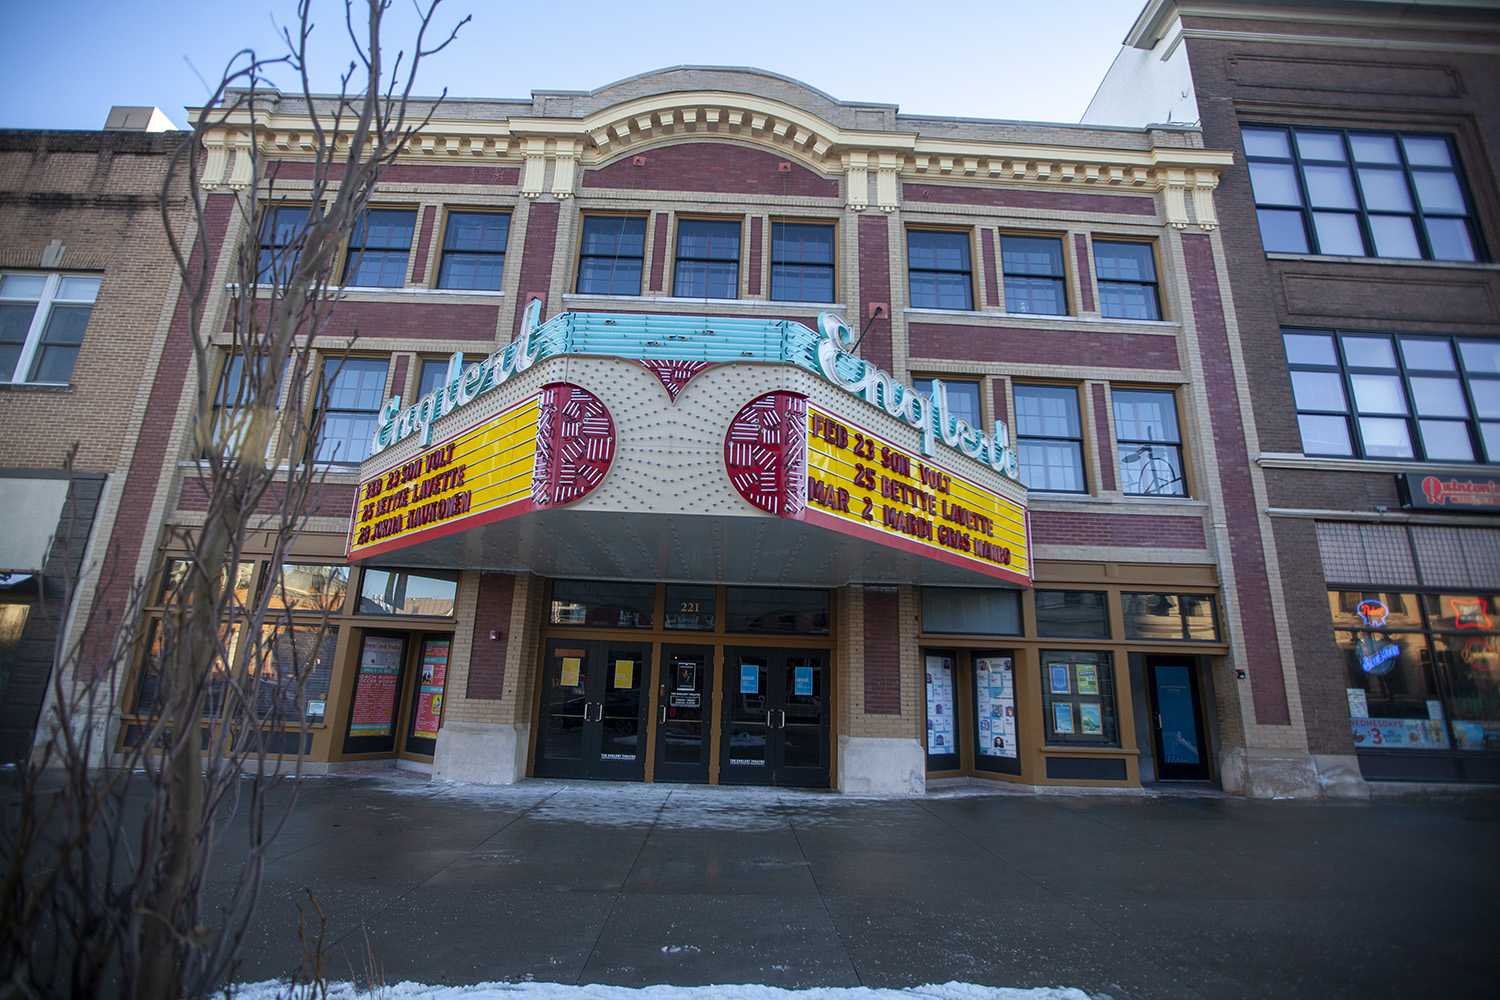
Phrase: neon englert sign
{"type": "Point", "coordinates": [824, 351]}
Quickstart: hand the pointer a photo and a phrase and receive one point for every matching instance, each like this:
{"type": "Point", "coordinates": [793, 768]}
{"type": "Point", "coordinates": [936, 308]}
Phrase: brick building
{"type": "Point", "coordinates": [1360, 225]}
{"type": "Point", "coordinates": [704, 427]}
{"type": "Point", "coordinates": [83, 275]}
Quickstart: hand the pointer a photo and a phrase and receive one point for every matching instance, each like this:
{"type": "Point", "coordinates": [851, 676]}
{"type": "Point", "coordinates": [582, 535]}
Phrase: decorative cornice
{"type": "Point", "coordinates": [566, 144]}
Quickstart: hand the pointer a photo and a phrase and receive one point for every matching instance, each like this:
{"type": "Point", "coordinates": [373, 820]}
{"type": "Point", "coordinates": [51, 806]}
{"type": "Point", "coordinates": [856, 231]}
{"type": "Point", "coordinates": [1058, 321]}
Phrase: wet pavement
{"type": "Point", "coordinates": [1121, 896]}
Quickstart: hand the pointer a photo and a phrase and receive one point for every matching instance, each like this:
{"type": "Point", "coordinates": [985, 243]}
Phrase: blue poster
{"type": "Point", "coordinates": [802, 681]}
{"type": "Point", "coordinates": [1060, 681]}
{"type": "Point", "coordinates": [749, 678]}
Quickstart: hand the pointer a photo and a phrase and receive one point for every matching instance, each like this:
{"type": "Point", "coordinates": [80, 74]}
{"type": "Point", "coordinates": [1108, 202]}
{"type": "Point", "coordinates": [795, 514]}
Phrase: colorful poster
{"type": "Point", "coordinates": [995, 705]}
{"type": "Point", "coordinates": [940, 722]}
{"type": "Point", "coordinates": [375, 687]}
{"type": "Point", "coordinates": [428, 714]}
{"type": "Point", "coordinates": [1062, 717]}
{"type": "Point", "coordinates": [1399, 734]}
{"type": "Point", "coordinates": [1088, 678]}
{"type": "Point", "coordinates": [569, 674]}
{"type": "Point", "coordinates": [624, 674]}
{"type": "Point", "coordinates": [687, 676]}
{"type": "Point", "coordinates": [1089, 720]}
{"type": "Point", "coordinates": [749, 678]}
{"type": "Point", "coordinates": [802, 681]}
{"type": "Point", "coordinates": [1059, 675]}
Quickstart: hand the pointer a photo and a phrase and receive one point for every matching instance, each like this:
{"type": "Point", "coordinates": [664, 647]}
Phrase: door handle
{"type": "Point", "coordinates": [598, 718]}
{"type": "Point", "coordinates": [664, 713]}
{"type": "Point", "coordinates": [768, 718]}
{"type": "Point", "coordinates": [1158, 720]}
{"type": "Point", "coordinates": [783, 719]}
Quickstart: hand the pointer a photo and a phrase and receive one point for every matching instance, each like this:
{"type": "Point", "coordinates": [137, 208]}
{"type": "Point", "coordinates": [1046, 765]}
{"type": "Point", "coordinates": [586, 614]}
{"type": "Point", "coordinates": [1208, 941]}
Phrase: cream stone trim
{"type": "Point", "coordinates": [556, 148]}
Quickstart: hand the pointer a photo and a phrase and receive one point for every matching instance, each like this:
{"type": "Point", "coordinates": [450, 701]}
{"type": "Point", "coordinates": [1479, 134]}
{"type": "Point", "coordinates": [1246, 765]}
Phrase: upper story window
{"type": "Point", "coordinates": [610, 255]}
{"type": "Point", "coordinates": [1149, 442]}
{"type": "Point", "coordinates": [474, 250]}
{"type": "Point", "coordinates": [281, 232]}
{"type": "Point", "coordinates": [1034, 276]}
{"type": "Point", "coordinates": [1359, 194]}
{"type": "Point", "coordinates": [708, 259]}
{"type": "Point", "coordinates": [1366, 395]}
{"type": "Point", "coordinates": [962, 396]}
{"type": "Point", "coordinates": [42, 319]}
{"type": "Point", "coordinates": [801, 262]}
{"type": "Point", "coordinates": [1127, 280]}
{"type": "Point", "coordinates": [351, 412]}
{"type": "Point", "coordinates": [940, 269]}
{"type": "Point", "coordinates": [379, 247]}
{"type": "Point", "coordinates": [1049, 438]}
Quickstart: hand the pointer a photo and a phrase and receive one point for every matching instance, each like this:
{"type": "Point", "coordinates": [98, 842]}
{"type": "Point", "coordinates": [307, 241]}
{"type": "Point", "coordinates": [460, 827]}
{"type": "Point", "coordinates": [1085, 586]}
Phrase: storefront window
{"type": "Point", "coordinates": [971, 612]}
{"type": "Point", "coordinates": [175, 576]}
{"type": "Point", "coordinates": [766, 609]}
{"type": "Point", "coordinates": [1072, 614]}
{"type": "Point", "coordinates": [1078, 699]}
{"type": "Point", "coordinates": [405, 592]}
{"type": "Point", "coordinates": [690, 608]}
{"type": "Point", "coordinates": [1170, 617]}
{"type": "Point", "coordinates": [286, 677]}
{"type": "Point", "coordinates": [1394, 701]}
{"type": "Point", "coordinates": [1467, 653]}
{"type": "Point", "coordinates": [309, 589]}
{"type": "Point", "coordinates": [604, 604]}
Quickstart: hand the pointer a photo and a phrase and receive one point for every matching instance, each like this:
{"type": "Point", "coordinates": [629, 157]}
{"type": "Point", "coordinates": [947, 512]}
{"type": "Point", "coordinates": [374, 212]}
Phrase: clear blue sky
{"type": "Point", "coordinates": [68, 61]}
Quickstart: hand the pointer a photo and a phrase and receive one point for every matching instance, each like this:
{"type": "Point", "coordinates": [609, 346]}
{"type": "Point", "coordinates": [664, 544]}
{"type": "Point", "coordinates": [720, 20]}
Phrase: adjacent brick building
{"type": "Point", "coordinates": [1360, 227]}
{"type": "Point", "coordinates": [84, 270]}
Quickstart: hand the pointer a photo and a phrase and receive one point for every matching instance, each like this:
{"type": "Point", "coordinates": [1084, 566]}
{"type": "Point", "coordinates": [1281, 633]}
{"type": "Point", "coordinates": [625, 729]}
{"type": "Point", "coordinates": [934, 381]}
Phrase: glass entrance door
{"type": "Point", "coordinates": [593, 716]}
{"type": "Point", "coordinates": [684, 696]}
{"type": "Point", "coordinates": [775, 721]}
{"type": "Point", "coordinates": [1176, 724]}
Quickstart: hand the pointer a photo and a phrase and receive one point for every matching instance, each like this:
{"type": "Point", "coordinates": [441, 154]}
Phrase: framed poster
{"type": "Point", "coordinates": [940, 697]}
{"type": "Point", "coordinates": [1058, 672]}
{"type": "Point", "coordinates": [427, 714]}
{"type": "Point", "coordinates": [1089, 719]}
{"type": "Point", "coordinates": [995, 706]}
{"type": "Point", "coordinates": [374, 709]}
{"type": "Point", "coordinates": [1062, 717]}
{"type": "Point", "coordinates": [1088, 678]}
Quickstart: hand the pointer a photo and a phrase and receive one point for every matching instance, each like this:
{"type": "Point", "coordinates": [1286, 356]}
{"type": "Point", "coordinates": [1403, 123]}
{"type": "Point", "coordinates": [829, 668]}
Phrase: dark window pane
{"type": "Point", "coordinates": [1282, 232]}
{"type": "Point", "coordinates": [971, 612]}
{"type": "Point", "coordinates": [603, 604]}
{"type": "Point", "coordinates": [755, 609]}
{"type": "Point", "coordinates": [1076, 614]}
{"type": "Point", "coordinates": [612, 249]}
{"type": "Point", "coordinates": [430, 593]}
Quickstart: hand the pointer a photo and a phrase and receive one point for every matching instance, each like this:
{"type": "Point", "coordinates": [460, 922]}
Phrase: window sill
{"type": "Point", "coordinates": [346, 291]}
{"type": "Point", "coordinates": [57, 387]}
{"type": "Point", "coordinates": [700, 305]}
{"type": "Point", "coordinates": [988, 317]}
{"type": "Point", "coordinates": [326, 474]}
{"type": "Point", "coordinates": [1389, 466]}
{"type": "Point", "coordinates": [1466, 265]}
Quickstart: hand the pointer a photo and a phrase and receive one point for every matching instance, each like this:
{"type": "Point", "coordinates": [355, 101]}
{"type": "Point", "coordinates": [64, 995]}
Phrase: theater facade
{"type": "Point", "coordinates": [706, 428]}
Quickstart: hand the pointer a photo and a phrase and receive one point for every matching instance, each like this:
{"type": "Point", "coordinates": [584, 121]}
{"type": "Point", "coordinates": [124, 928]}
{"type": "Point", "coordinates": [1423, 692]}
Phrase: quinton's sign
{"type": "Point", "coordinates": [824, 352]}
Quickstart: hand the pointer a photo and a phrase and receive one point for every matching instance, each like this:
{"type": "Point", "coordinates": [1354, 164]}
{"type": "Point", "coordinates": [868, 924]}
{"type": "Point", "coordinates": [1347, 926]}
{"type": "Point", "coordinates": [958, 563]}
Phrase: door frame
{"type": "Point", "coordinates": [593, 765]}
{"type": "Point", "coordinates": [1203, 770]}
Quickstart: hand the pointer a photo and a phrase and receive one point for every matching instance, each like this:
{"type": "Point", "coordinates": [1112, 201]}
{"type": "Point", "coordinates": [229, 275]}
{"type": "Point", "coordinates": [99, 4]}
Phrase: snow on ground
{"type": "Point", "coordinates": [273, 990]}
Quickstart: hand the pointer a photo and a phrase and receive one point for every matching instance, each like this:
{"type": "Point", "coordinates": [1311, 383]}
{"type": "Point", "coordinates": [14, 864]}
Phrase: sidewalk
{"type": "Point", "coordinates": [1129, 897]}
